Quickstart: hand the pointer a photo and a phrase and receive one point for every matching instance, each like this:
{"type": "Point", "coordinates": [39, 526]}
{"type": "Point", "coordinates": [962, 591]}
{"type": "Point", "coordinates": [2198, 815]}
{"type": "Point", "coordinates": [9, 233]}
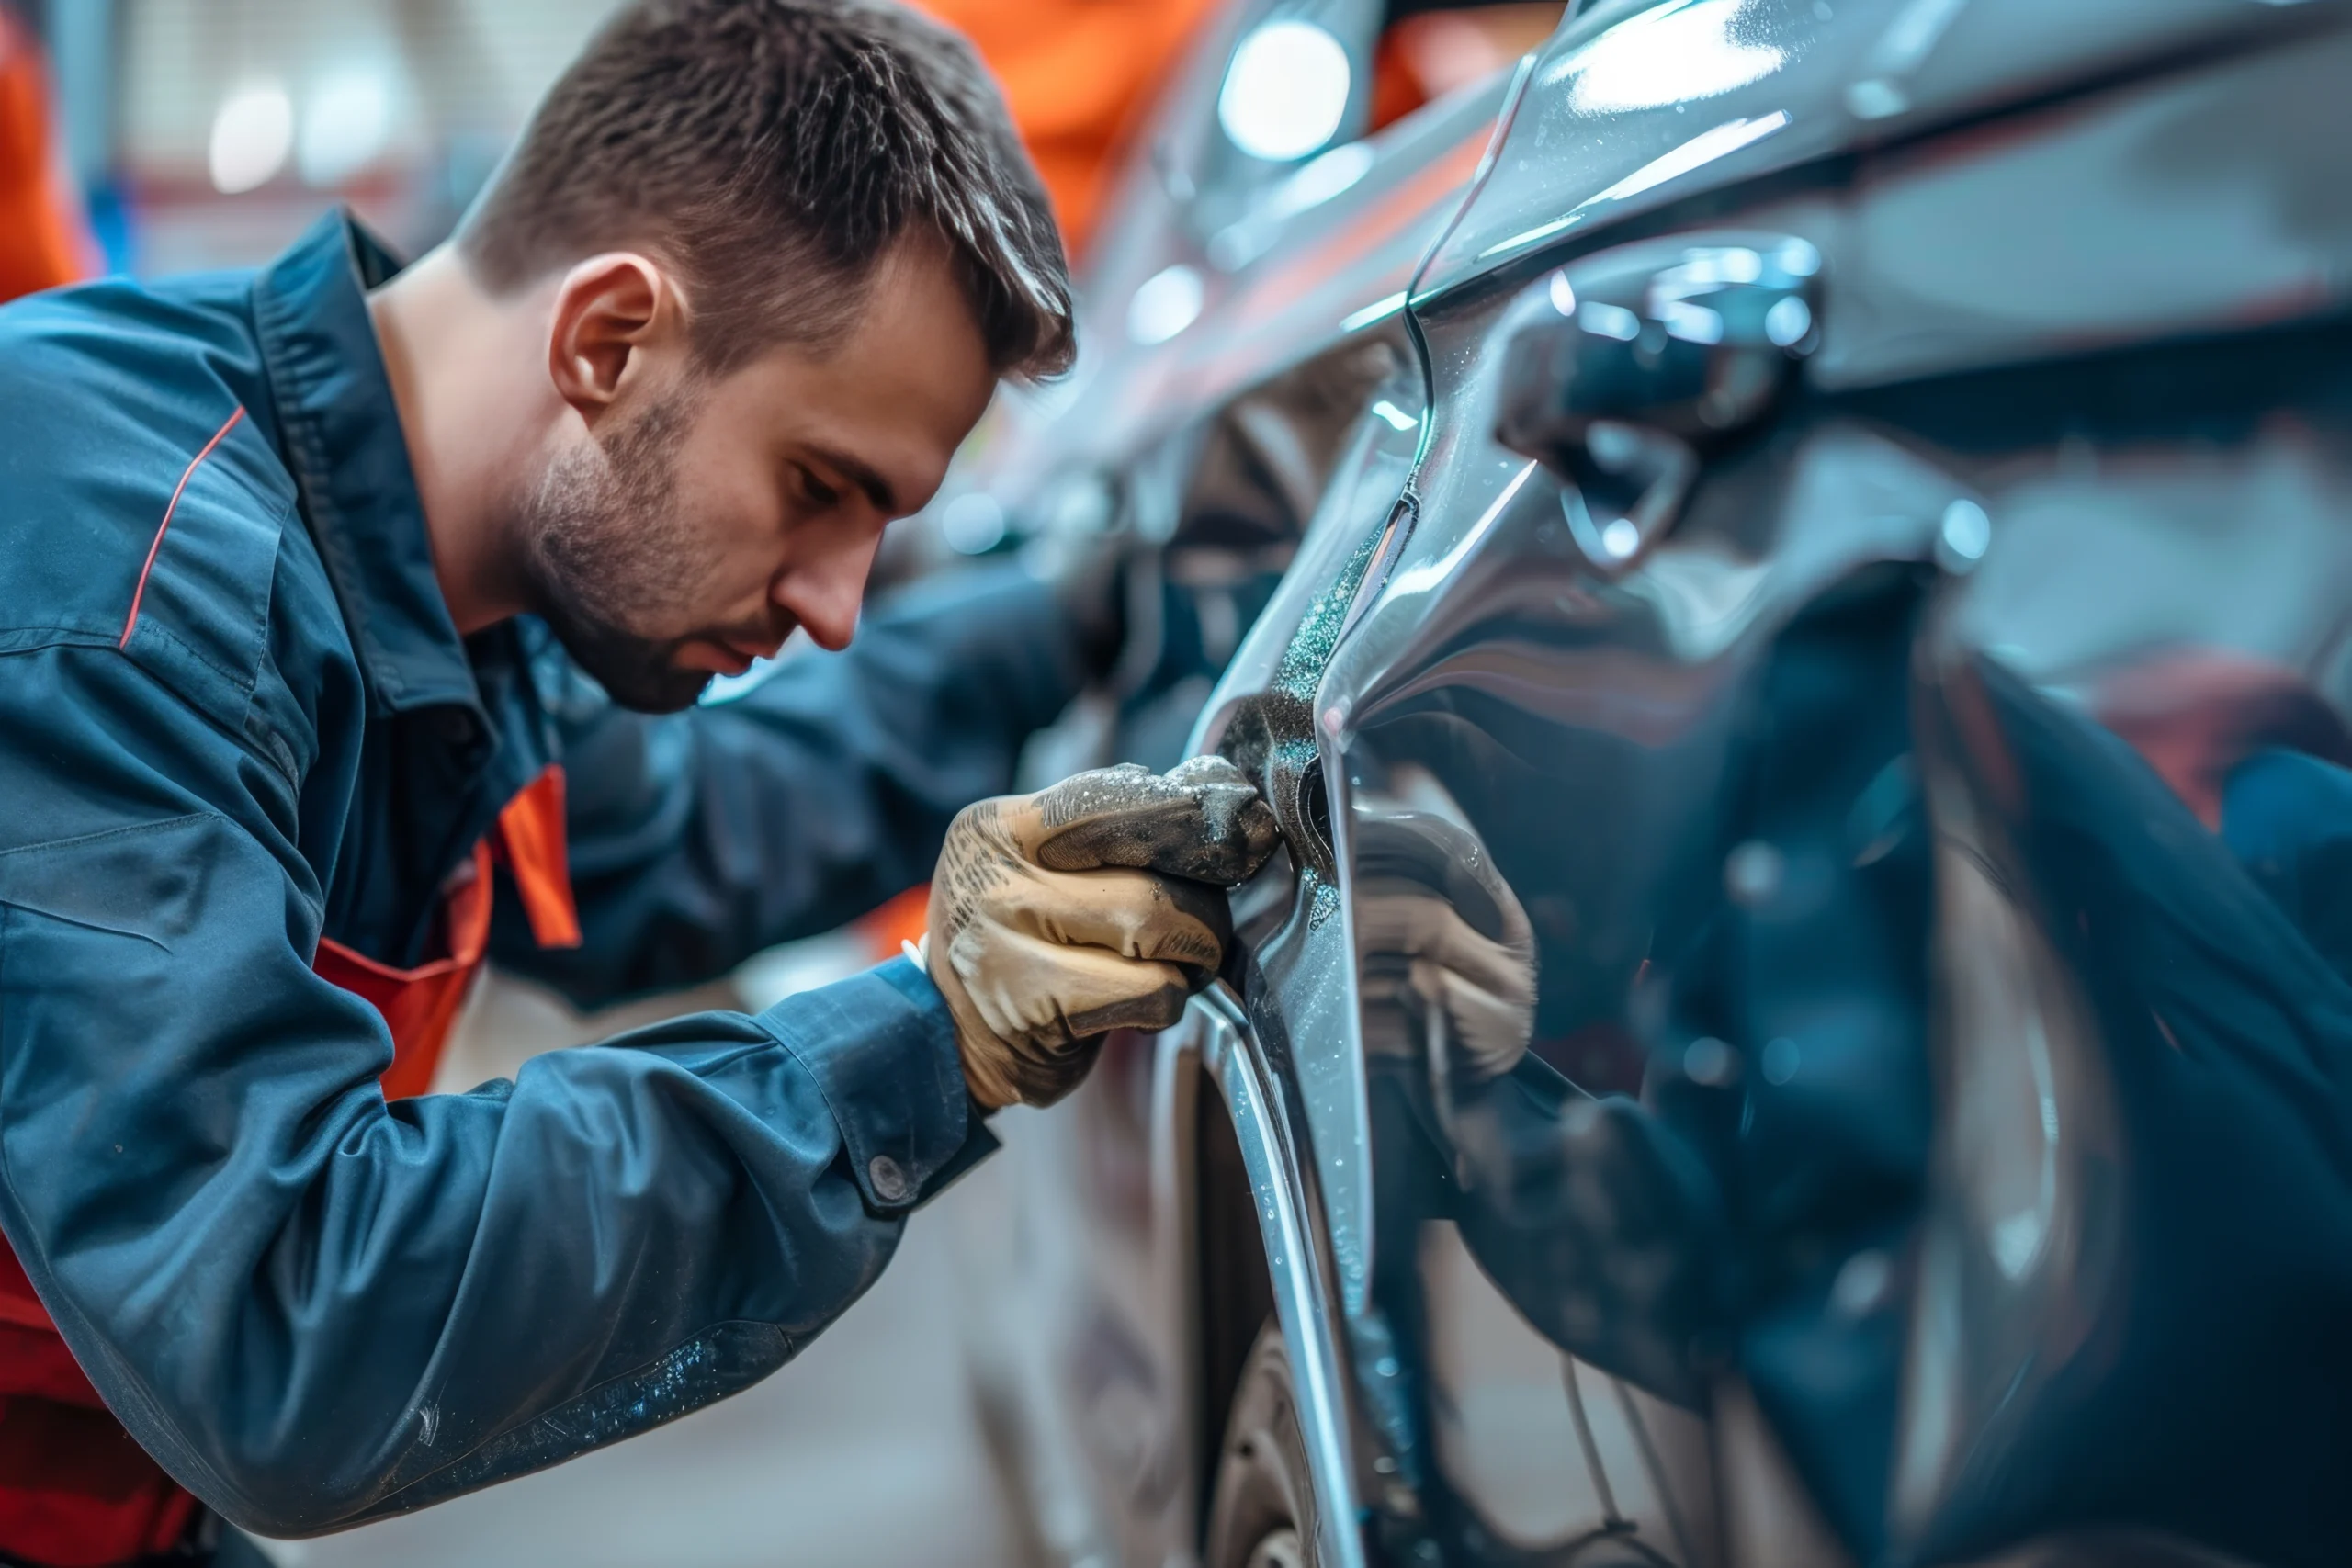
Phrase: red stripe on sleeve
{"type": "Point", "coordinates": [130, 622]}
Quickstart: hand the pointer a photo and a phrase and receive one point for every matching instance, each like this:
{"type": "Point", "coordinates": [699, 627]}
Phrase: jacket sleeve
{"type": "Point", "coordinates": [316, 1309]}
{"type": "Point", "coordinates": [699, 839]}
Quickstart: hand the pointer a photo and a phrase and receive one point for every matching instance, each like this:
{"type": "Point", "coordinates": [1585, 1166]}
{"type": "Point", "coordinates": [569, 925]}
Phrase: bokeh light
{"type": "Point", "coordinates": [1285, 92]}
{"type": "Point", "coordinates": [253, 131]}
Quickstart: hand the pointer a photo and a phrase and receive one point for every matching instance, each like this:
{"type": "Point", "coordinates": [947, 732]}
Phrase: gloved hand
{"type": "Point", "coordinates": [1093, 905]}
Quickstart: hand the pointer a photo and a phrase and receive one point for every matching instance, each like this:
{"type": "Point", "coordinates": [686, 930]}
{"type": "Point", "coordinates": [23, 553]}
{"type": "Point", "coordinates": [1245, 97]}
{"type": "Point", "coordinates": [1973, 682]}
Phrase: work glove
{"type": "Point", "coordinates": [1095, 905]}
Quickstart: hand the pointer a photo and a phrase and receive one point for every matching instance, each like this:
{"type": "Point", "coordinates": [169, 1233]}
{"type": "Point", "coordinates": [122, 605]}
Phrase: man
{"type": "Point", "coordinates": [334, 599]}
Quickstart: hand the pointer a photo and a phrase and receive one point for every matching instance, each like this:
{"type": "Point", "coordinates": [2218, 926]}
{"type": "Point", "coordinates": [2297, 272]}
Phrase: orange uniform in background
{"type": "Point", "coordinates": [40, 246]}
{"type": "Point", "coordinates": [1077, 75]}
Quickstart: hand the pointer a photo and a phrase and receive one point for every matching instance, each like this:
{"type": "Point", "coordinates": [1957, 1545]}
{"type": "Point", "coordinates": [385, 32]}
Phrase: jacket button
{"type": "Point", "coordinates": [890, 1180]}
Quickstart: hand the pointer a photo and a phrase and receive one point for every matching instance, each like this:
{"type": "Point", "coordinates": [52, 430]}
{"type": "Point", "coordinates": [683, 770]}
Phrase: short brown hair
{"type": "Point", "coordinates": [773, 151]}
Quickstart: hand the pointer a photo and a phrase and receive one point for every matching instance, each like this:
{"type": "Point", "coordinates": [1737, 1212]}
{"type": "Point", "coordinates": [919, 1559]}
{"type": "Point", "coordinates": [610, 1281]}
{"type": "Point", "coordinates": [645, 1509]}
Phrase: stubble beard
{"type": "Point", "coordinates": [607, 551]}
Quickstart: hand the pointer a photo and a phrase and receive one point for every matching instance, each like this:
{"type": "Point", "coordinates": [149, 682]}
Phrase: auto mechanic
{"type": "Point", "coordinates": [353, 621]}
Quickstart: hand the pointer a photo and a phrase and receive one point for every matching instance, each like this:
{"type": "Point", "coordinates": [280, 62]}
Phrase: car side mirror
{"type": "Point", "coordinates": [1635, 361]}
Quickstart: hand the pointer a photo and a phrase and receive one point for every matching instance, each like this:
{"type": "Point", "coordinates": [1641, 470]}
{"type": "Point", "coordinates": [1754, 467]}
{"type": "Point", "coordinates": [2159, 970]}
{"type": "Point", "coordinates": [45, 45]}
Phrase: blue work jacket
{"type": "Point", "coordinates": [235, 718]}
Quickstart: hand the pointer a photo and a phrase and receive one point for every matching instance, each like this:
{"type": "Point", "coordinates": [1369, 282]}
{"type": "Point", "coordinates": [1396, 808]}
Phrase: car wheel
{"type": "Point", "coordinates": [1262, 1514]}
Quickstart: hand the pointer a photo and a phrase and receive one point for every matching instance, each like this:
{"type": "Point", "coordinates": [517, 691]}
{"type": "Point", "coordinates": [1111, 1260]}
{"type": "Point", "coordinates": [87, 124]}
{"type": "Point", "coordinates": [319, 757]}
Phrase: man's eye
{"type": "Point", "coordinates": [814, 490]}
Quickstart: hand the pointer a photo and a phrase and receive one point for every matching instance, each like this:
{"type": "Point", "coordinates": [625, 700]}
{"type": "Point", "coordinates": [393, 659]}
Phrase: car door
{"type": "Point", "coordinates": [1884, 486]}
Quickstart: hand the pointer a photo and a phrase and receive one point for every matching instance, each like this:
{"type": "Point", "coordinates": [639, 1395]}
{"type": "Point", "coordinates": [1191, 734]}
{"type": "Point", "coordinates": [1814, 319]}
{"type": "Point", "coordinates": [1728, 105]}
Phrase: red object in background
{"type": "Point", "coordinates": [76, 1491]}
{"type": "Point", "coordinates": [1077, 74]}
{"type": "Point", "coordinates": [902, 921]}
{"type": "Point", "coordinates": [41, 245]}
{"type": "Point", "coordinates": [1424, 56]}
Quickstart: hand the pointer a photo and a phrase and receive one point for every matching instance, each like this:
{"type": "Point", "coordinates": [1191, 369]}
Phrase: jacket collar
{"type": "Point", "coordinates": [340, 433]}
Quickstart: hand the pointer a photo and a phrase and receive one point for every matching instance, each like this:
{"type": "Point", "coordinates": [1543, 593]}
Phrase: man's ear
{"type": "Point", "coordinates": [608, 309]}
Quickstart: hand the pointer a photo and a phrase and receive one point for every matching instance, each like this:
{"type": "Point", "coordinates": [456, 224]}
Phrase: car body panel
{"type": "Point", "coordinates": [1803, 817]}
{"type": "Point", "coordinates": [1634, 107]}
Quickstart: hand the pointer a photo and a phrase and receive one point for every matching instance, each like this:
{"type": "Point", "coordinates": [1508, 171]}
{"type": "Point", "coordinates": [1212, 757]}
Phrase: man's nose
{"type": "Point", "coordinates": [824, 594]}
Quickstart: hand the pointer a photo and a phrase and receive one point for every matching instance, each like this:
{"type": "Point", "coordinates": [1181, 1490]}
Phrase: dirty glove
{"type": "Point", "coordinates": [1093, 905]}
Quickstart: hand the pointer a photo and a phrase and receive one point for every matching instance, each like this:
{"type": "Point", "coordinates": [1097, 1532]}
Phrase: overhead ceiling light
{"type": "Point", "coordinates": [252, 133]}
{"type": "Point", "coordinates": [1285, 92]}
{"type": "Point", "coordinates": [346, 124]}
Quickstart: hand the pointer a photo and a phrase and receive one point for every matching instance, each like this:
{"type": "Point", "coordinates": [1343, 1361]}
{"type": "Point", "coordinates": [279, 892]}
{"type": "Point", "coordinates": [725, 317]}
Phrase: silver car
{"type": "Point", "coordinates": [1794, 558]}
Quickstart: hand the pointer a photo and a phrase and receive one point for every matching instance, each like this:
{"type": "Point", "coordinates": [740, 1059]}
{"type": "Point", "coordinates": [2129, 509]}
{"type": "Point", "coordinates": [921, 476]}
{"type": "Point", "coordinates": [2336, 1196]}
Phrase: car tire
{"type": "Point", "coordinates": [1262, 1514]}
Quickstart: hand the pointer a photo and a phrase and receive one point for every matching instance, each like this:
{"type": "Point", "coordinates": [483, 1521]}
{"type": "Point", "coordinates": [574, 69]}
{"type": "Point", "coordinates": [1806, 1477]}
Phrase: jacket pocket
{"type": "Point", "coordinates": [145, 881]}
